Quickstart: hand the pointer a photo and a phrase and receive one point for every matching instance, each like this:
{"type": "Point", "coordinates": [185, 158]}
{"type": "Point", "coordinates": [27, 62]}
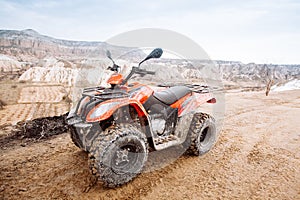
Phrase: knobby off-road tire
{"type": "Point", "coordinates": [118, 154]}
{"type": "Point", "coordinates": [75, 138]}
{"type": "Point", "coordinates": [202, 134]}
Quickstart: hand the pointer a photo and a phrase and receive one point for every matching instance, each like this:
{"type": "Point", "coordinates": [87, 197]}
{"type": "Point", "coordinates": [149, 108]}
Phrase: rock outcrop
{"type": "Point", "coordinates": [29, 45]}
{"type": "Point", "coordinates": [53, 60]}
{"type": "Point", "coordinates": [53, 71]}
{"type": "Point", "coordinates": [8, 64]}
{"type": "Point", "coordinates": [258, 72]}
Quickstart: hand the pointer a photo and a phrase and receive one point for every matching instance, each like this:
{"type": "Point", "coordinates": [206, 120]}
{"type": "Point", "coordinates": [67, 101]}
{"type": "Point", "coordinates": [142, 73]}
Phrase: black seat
{"type": "Point", "coordinates": [172, 94]}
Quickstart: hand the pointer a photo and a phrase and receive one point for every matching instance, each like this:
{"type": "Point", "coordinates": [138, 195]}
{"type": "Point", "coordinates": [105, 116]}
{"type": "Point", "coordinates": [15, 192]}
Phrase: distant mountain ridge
{"type": "Point", "coordinates": [33, 49]}
{"type": "Point", "coordinates": [258, 72]}
{"type": "Point", "coordinates": [30, 45]}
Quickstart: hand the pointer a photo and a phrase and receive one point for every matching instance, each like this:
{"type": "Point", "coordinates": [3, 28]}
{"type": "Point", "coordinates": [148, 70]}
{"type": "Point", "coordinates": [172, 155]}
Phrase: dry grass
{"type": "Point", "coordinates": [25, 101]}
{"type": "Point", "coordinates": [31, 94]}
{"type": "Point", "coordinates": [19, 112]}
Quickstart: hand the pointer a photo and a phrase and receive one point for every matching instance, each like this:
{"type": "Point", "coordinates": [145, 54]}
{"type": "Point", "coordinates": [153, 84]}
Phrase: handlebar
{"type": "Point", "coordinates": [136, 70]}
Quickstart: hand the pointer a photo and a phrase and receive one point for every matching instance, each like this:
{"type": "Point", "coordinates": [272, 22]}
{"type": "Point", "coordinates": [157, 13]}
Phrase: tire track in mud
{"type": "Point", "coordinates": [210, 177]}
{"type": "Point", "coordinates": [146, 183]}
{"type": "Point", "coordinates": [245, 163]}
{"type": "Point", "coordinates": [239, 119]}
{"type": "Point", "coordinates": [143, 185]}
{"type": "Point", "coordinates": [268, 162]}
{"type": "Point", "coordinates": [66, 161]}
{"type": "Point", "coordinates": [206, 168]}
{"type": "Point", "coordinates": [43, 174]}
{"type": "Point", "coordinates": [62, 170]}
{"type": "Point", "coordinates": [272, 166]}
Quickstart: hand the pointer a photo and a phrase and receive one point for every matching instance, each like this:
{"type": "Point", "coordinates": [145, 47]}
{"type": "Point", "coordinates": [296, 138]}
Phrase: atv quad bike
{"type": "Point", "coordinates": [118, 125]}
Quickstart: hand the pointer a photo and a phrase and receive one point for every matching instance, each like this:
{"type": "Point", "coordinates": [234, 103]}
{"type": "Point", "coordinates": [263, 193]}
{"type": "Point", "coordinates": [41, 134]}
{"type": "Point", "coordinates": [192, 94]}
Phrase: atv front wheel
{"type": "Point", "coordinates": [202, 134]}
{"type": "Point", "coordinates": [118, 154]}
{"type": "Point", "coordinates": [75, 138]}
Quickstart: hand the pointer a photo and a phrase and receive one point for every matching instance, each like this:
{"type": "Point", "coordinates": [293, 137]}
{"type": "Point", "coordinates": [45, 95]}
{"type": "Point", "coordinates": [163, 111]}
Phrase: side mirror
{"type": "Point", "coordinates": [108, 54]}
{"type": "Point", "coordinates": [156, 53]}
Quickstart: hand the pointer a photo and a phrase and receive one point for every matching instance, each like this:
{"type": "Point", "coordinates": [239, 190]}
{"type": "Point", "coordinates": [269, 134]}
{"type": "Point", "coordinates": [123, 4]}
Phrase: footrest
{"type": "Point", "coordinates": [164, 139]}
{"type": "Point", "coordinates": [164, 142]}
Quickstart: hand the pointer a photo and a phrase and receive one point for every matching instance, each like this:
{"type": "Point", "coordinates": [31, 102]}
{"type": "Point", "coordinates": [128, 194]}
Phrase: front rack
{"type": "Point", "coordinates": [104, 95]}
{"type": "Point", "coordinates": [92, 89]}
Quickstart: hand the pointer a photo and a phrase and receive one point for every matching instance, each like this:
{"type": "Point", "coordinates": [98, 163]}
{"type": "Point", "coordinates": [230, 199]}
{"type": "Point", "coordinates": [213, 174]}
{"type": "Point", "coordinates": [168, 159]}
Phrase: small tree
{"type": "Point", "coordinates": [269, 85]}
{"type": "Point", "coordinates": [269, 79]}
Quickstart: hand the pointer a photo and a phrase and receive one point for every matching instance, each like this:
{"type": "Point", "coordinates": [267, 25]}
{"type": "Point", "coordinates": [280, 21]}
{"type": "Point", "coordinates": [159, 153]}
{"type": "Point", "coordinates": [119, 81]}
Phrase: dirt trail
{"type": "Point", "coordinates": [257, 157]}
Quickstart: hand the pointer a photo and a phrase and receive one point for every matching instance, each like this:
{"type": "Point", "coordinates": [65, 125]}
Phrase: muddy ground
{"type": "Point", "coordinates": [257, 156]}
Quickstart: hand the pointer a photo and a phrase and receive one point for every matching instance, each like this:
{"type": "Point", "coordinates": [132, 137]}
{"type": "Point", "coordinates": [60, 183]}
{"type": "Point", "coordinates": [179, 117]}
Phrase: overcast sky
{"type": "Point", "coordinates": [261, 31]}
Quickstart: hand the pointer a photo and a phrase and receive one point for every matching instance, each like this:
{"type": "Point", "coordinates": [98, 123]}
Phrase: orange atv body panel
{"type": "Point", "coordinates": [121, 102]}
{"type": "Point", "coordinates": [136, 100]}
{"type": "Point", "coordinates": [189, 103]}
{"type": "Point", "coordinates": [115, 79]}
{"type": "Point", "coordinates": [139, 94]}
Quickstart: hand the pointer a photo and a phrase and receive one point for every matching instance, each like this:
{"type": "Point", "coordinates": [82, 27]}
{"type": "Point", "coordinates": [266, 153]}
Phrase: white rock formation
{"type": "Point", "coordinates": [53, 71]}
{"type": "Point", "coordinates": [290, 85]}
{"type": "Point", "coordinates": [8, 64]}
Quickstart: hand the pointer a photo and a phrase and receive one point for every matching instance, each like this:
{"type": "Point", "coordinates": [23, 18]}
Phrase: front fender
{"type": "Point", "coordinates": [106, 109]}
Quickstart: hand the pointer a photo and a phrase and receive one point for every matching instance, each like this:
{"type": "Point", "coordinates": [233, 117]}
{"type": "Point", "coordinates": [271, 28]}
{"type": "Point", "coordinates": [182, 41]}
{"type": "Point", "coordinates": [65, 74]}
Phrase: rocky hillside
{"type": "Point", "coordinates": [234, 72]}
{"type": "Point", "coordinates": [237, 71]}
{"type": "Point", "coordinates": [35, 57]}
{"type": "Point", "coordinates": [11, 68]}
{"type": "Point", "coordinates": [8, 64]}
{"type": "Point", "coordinates": [29, 45]}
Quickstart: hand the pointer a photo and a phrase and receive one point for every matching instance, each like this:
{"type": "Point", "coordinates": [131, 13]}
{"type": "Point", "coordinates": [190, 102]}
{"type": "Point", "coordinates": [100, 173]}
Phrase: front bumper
{"type": "Point", "coordinates": [83, 133]}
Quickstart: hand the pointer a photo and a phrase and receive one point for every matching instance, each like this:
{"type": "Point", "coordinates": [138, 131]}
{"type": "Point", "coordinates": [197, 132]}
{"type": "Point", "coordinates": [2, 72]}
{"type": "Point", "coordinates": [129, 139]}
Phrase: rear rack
{"type": "Point", "coordinates": [198, 88]}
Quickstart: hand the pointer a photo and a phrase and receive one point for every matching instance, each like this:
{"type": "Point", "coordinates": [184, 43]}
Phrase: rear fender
{"type": "Point", "coordinates": [106, 109]}
{"type": "Point", "coordinates": [195, 101]}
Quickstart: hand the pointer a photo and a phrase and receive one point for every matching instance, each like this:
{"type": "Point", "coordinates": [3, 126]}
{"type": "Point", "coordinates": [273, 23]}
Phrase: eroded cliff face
{"type": "Point", "coordinates": [28, 45]}
{"type": "Point", "coordinates": [8, 64]}
{"type": "Point", "coordinates": [38, 58]}
{"type": "Point", "coordinates": [56, 75]}
{"type": "Point", "coordinates": [258, 72]}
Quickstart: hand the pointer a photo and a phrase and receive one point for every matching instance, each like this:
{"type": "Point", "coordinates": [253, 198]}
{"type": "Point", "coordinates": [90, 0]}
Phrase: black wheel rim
{"type": "Point", "coordinates": [127, 158]}
{"type": "Point", "coordinates": [206, 136]}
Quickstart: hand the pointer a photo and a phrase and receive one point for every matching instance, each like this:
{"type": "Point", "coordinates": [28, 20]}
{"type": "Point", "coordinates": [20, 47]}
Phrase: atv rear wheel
{"type": "Point", "coordinates": [202, 134]}
{"type": "Point", "coordinates": [118, 155]}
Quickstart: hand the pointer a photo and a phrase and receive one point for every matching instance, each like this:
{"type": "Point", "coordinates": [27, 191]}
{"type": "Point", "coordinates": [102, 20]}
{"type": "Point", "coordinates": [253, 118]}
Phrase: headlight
{"type": "Point", "coordinates": [102, 109]}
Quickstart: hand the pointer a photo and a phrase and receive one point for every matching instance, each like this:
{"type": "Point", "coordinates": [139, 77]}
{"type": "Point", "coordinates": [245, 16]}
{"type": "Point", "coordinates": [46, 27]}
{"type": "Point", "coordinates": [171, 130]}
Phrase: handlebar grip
{"type": "Point", "coordinates": [150, 72]}
{"type": "Point", "coordinates": [143, 72]}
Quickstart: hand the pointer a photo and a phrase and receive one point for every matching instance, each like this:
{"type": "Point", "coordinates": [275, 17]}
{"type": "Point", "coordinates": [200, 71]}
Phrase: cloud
{"type": "Point", "coordinates": [231, 30]}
